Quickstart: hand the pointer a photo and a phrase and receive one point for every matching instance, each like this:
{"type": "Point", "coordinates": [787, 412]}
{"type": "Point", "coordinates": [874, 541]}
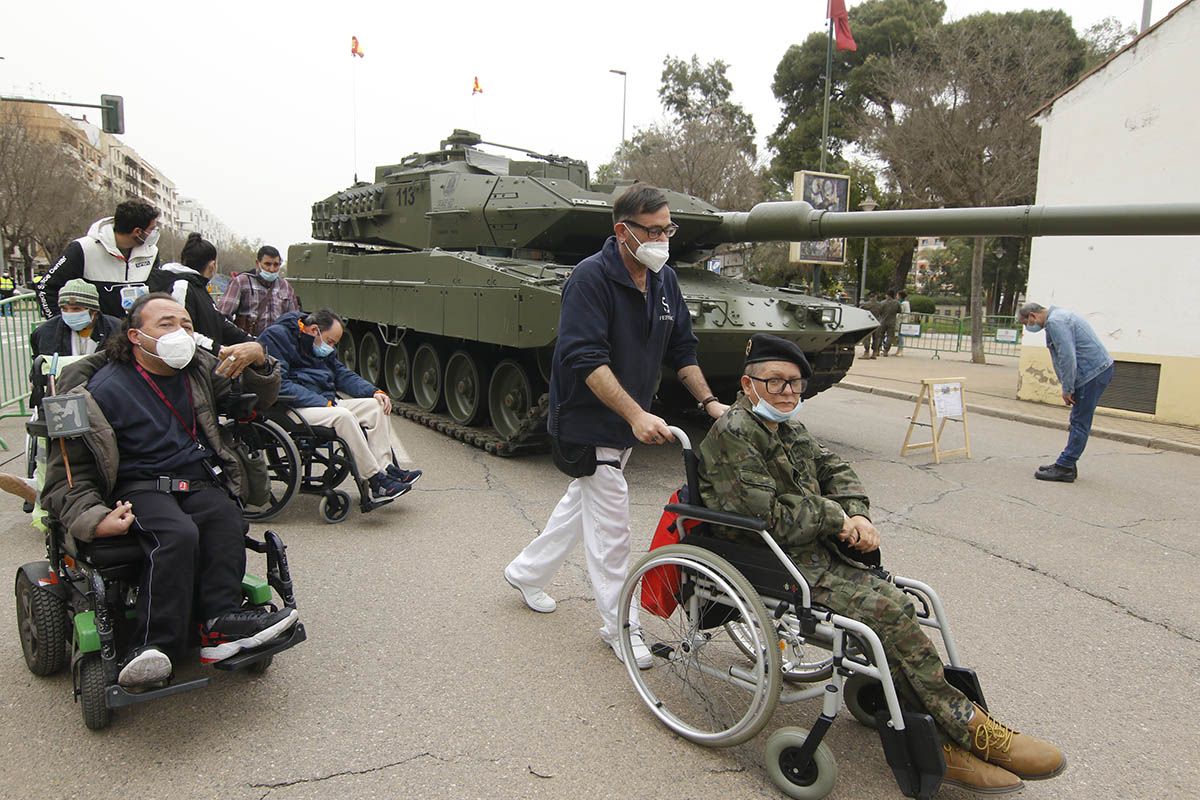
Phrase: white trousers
{"type": "Point", "coordinates": [595, 508]}
{"type": "Point", "coordinates": [352, 418]}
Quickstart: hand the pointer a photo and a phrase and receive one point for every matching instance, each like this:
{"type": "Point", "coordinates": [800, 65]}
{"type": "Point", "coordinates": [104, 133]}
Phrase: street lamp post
{"type": "Point", "coordinates": [866, 205]}
{"type": "Point", "coordinates": [624, 94]}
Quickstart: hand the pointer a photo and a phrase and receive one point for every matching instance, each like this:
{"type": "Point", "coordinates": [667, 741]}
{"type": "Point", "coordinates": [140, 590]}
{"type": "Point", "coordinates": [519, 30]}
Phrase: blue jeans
{"type": "Point", "coordinates": [1087, 397]}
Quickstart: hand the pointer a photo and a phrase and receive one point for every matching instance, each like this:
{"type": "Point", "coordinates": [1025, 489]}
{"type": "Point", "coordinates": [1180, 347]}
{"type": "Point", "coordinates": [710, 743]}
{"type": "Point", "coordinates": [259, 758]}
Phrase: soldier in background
{"type": "Point", "coordinates": [871, 342]}
{"type": "Point", "coordinates": [888, 309]}
{"type": "Point", "coordinates": [758, 460]}
{"type": "Point", "coordinates": [903, 317]}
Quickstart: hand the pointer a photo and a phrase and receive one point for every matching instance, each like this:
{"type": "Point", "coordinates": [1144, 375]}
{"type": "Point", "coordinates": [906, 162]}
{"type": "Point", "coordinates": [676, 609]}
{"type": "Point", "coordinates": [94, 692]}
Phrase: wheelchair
{"type": "Point", "coordinates": [304, 458]}
{"type": "Point", "coordinates": [741, 634]}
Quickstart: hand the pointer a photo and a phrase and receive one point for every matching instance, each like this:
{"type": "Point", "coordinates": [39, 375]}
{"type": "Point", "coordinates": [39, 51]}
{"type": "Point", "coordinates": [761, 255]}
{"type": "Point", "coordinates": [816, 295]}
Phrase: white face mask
{"type": "Point", "coordinates": [772, 414]}
{"type": "Point", "coordinates": [151, 238]}
{"type": "Point", "coordinates": [176, 349]}
{"type": "Point", "coordinates": [653, 255]}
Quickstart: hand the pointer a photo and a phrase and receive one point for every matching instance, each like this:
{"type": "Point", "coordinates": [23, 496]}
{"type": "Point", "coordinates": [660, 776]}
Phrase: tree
{"type": "Point", "coordinates": [958, 131]}
{"type": "Point", "coordinates": [882, 29]}
{"type": "Point", "coordinates": [706, 146]}
{"type": "Point", "coordinates": [1104, 39]}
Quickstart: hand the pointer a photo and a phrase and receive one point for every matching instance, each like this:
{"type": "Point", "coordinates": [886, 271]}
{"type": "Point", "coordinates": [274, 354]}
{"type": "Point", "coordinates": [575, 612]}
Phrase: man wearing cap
{"type": "Point", "coordinates": [758, 460]}
{"type": "Point", "coordinates": [623, 318]}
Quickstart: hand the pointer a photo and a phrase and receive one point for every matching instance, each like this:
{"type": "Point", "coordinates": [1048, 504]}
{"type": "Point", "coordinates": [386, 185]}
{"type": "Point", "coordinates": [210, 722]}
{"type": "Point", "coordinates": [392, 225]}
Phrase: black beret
{"type": "Point", "coordinates": [765, 347]}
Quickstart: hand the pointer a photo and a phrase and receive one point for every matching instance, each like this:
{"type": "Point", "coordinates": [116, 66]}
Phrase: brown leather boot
{"type": "Point", "coordinates": [968, 772]}
{"type": "Point", "coordinates": [1027, 756]}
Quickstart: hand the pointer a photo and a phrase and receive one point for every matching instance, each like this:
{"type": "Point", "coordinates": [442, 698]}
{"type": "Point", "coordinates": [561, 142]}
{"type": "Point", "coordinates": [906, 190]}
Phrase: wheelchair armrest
{"type": "Point", "coordinates": [717, 517]}
{"type": "Point", "coordinates": [36, 428]}
{"type": "Point", "coordinates": [285, 399]}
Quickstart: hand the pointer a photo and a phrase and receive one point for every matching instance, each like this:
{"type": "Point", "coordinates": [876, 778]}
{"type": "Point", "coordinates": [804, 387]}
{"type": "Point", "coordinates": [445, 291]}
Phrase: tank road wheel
{"type": "Point", "coordinates": [370, 356]}
{"type": "Point", "coordinates": [347, 350]}
{"type": "Point", "coordinates": [510, 397]}
{"type": "Point", "coordinates": [397, 371]}
{"type": "Point", "coordinates": [427, 377]}
{"type": "Point", "coordinates": [464, 388]}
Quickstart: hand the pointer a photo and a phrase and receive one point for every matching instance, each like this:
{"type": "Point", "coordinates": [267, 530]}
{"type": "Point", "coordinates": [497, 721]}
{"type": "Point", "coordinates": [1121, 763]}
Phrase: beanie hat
{"type": "Point", "coordinates": [78, 292]}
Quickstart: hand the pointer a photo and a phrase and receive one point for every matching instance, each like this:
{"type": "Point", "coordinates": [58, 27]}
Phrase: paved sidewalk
{"type": "Point", "coordinates": [991, 389]}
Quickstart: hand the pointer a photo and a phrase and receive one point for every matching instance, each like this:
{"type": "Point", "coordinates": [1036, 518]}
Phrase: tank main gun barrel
{"type": "Point", "coordinates": [796, 221]}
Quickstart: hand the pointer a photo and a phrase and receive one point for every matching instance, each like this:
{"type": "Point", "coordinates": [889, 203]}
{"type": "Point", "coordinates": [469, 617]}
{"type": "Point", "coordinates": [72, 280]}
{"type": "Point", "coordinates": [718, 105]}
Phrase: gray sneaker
{"type": "Point", "coordinates": [145, 668]}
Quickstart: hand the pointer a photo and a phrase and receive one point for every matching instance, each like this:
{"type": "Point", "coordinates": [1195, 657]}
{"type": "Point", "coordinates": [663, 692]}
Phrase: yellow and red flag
{"type": "Point", "coordinates": [355, 48]}
{"type": "Point", "coordinates": [841, 25]}
{"type": "Point", "coordinates": [476, 89]}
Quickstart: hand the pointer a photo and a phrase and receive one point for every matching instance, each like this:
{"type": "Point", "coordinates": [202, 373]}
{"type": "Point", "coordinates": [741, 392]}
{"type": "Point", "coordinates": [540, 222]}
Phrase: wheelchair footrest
{"type": "Point", "coordinates": [116, 696]}
{"type": "Point", "coordinates": [914, 754]}
{"type": "Point", "coordinates": [966, 681]}
{"type": "Point", "coordinates": [248, 657]}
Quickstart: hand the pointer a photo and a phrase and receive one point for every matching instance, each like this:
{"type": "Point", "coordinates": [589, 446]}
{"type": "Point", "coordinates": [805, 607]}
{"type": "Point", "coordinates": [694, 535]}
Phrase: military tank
{"type": "Point", "coordinates": [449, 268]}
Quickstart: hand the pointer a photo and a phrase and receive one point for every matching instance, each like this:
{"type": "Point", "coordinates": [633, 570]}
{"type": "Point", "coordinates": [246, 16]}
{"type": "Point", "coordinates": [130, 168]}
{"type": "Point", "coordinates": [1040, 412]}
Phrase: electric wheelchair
{"type": "Point", "coordinates": [739, 633]}
{"type": "Point", "coordinates": [76, 608]}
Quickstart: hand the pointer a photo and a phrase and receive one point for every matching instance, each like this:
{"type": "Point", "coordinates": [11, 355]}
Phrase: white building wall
{"type": "Point", "coordinates": [1126, 134]}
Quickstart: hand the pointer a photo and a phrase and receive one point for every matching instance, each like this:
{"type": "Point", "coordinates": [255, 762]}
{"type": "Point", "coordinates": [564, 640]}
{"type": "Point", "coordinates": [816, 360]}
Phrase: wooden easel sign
{"type": "Point", "coordinates": [945, 399]}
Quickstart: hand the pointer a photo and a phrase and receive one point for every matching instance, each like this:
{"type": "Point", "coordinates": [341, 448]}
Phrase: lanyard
{"type": "Point", "coordinates": [158, 391]}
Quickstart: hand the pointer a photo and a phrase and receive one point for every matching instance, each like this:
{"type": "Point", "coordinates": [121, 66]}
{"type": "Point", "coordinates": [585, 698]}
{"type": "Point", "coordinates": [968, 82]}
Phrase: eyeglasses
{"type": "Point", "coordinates": [775, 385]}
{"type": "Point", "coordinates": [654, 231]}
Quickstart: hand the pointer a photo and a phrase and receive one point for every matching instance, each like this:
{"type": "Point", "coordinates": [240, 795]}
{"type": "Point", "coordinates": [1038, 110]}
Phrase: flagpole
{"type": "Point", "coordinates": [354, 108]}
{"type": "Point", "coordinates": [828, 89]}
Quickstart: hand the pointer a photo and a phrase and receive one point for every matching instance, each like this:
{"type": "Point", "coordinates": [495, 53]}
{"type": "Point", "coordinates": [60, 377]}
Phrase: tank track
{"type": "Point", "coordinates": [530, 437]}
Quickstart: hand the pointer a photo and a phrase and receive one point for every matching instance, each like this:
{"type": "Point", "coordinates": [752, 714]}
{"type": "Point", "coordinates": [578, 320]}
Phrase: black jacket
{"type": "Point", "coordinates": [54, 336]}
{"type": "Point", "coordinates": [606, 320]}
{"type": "Point", "coordinates": [190, 288]}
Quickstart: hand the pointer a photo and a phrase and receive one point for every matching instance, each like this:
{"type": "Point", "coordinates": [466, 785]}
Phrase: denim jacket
{"type": "Point", "coordinates": [1075, 349]}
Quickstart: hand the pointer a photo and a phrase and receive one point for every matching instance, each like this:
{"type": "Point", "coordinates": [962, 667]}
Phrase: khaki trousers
{"type": "Point", "coordinates": [364, 427]}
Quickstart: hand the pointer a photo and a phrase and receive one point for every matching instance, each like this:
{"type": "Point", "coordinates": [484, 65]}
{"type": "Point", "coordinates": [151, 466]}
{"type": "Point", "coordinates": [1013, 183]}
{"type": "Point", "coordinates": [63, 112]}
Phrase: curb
{"type": "Point", "coordinates": [1141, 440]}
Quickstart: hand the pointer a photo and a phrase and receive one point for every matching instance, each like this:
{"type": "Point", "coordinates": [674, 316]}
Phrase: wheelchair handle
{"type": "Point", "coordinates": [681, 437]}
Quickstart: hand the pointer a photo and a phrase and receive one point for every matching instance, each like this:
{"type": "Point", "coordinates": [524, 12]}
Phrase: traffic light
{"type": "Point", "coordinates": [112, 113]}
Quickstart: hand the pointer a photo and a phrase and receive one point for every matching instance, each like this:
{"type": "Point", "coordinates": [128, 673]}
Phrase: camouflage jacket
{"type": "Point", "coordinates": [785, 477]}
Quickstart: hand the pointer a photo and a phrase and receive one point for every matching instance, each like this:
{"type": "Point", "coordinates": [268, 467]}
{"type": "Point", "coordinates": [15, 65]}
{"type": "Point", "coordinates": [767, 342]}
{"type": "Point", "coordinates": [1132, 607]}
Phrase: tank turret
{"type": "Point", "coordinates": [449, 269]}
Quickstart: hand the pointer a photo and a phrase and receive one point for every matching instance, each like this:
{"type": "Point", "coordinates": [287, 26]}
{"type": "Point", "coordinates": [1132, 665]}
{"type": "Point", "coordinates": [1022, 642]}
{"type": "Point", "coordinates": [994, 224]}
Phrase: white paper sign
{"type": "Point", "coordinates": [910, 329]}
{"type": "Point", "coordinates": [947, 399]}
{"type": "Point", "coordinates": [1006, 335]}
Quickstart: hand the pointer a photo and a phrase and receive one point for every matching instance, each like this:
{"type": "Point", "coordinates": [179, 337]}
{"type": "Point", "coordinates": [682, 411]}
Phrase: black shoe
{"type": "Point", "coordinates": [1046, 467]}
{"type": "Point", "coordinates": [1057, 472]}
{"type": "Point", "coordinates": [243, 629]}
{"type": "Point", "coordinates": [408, 476]}
{"type": "Point", "coordinates": [144, 668]}
{"type": "Point", "coordinates": [384, 486]}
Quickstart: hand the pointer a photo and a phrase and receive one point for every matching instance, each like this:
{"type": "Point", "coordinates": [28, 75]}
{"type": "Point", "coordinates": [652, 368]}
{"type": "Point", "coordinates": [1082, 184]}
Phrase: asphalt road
{"type": "Point", "coordinates": [425, 676]}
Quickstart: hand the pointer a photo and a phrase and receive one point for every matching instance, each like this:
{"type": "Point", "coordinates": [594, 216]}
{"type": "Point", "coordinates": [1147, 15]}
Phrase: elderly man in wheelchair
{"type": "Point", "coordinates": [788, 558]}
{"type": "Point", "coordinates": [154, 468]}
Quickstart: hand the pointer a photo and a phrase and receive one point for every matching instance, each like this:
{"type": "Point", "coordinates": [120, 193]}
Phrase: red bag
{"type": "Point", "coordinates": [660, 586]}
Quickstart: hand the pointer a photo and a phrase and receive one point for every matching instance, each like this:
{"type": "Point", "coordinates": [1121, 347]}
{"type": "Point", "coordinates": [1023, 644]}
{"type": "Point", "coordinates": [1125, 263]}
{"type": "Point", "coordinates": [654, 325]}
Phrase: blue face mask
{"type": "Point", "coordinates": [772, 414]}
{"type": "Point", "coordinates": [1032, 327]}
{"type": "Point", "coordinates": [269, 277]}
{"type": "Point", "coordinates": [77, 320]}
{"type": "Point", "coordinates": [320, 348]}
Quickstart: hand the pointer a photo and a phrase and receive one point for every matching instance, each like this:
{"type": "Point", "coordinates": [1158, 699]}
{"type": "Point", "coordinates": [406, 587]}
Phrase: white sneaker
{"type": "Point", "coordinates": [148, 667]}
{"type": "Point", "coordinates": [536, 599]}
{"type": "Point", "coordinates": [641, 653]}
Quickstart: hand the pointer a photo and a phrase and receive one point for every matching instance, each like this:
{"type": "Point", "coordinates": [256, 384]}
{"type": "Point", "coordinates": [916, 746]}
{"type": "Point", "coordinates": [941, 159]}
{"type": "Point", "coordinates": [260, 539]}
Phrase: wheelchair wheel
{"type": "Point", "coordinates": [335, 507]}
{"type": "Point", "coordinates": [283, 466]}
{"type": "Point", "coordinates": [863, 696]}
{"type": "Point", "coordinates": [42, 623]}
{"type": "Point", "coordinates": [702, 685]}
{"type": "Point", "coordinates": [800, 661]}
{"type": "Point", "coordinates": [334, 460]}
{"type": "Point", "coordinates": [811, 781]}
{"type": "Point", "coordinates": [92, 688]}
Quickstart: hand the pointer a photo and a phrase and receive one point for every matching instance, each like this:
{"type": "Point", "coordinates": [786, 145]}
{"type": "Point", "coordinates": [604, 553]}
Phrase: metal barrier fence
{"type": "Point", "coordinates": [1001, 335]}
{"type": "Point", "coordinates": [19, 315]}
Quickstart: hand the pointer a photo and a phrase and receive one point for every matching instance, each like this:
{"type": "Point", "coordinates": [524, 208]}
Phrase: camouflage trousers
{"type": "Point", "coordinates": [915, 664]}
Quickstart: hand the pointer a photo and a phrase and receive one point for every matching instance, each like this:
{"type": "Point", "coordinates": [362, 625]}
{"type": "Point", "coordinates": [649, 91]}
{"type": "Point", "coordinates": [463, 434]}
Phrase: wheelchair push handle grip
{"type": "Point", "coordinates": [681, 437]}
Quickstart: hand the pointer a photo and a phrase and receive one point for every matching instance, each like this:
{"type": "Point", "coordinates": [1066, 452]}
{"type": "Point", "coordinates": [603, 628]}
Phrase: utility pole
{"type": "Point", "coordinates": [866, 205]}
{"type": "Point", "coordinates": [1145, 15]}
{"type": "Point", "coordinates": [624, 96]}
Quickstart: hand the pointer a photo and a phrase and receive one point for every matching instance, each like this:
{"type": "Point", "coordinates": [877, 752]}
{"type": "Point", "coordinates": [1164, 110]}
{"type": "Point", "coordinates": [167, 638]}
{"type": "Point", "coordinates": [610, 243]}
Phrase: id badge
{"type": "Point", "coordinates": [130, 293]}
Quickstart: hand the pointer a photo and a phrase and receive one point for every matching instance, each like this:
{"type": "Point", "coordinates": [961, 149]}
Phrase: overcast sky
{"type": "Point", "coordinates": [247, 106]}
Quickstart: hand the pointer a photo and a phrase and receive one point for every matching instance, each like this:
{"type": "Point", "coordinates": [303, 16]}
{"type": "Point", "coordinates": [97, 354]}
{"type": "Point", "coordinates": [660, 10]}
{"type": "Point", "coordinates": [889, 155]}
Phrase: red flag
{"type": "Point", "coordinates": [841, 25]}
{"type": "Point", "coordinates": [355, 49]}
{"type": "Point", "coordinates": [476, 89]}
